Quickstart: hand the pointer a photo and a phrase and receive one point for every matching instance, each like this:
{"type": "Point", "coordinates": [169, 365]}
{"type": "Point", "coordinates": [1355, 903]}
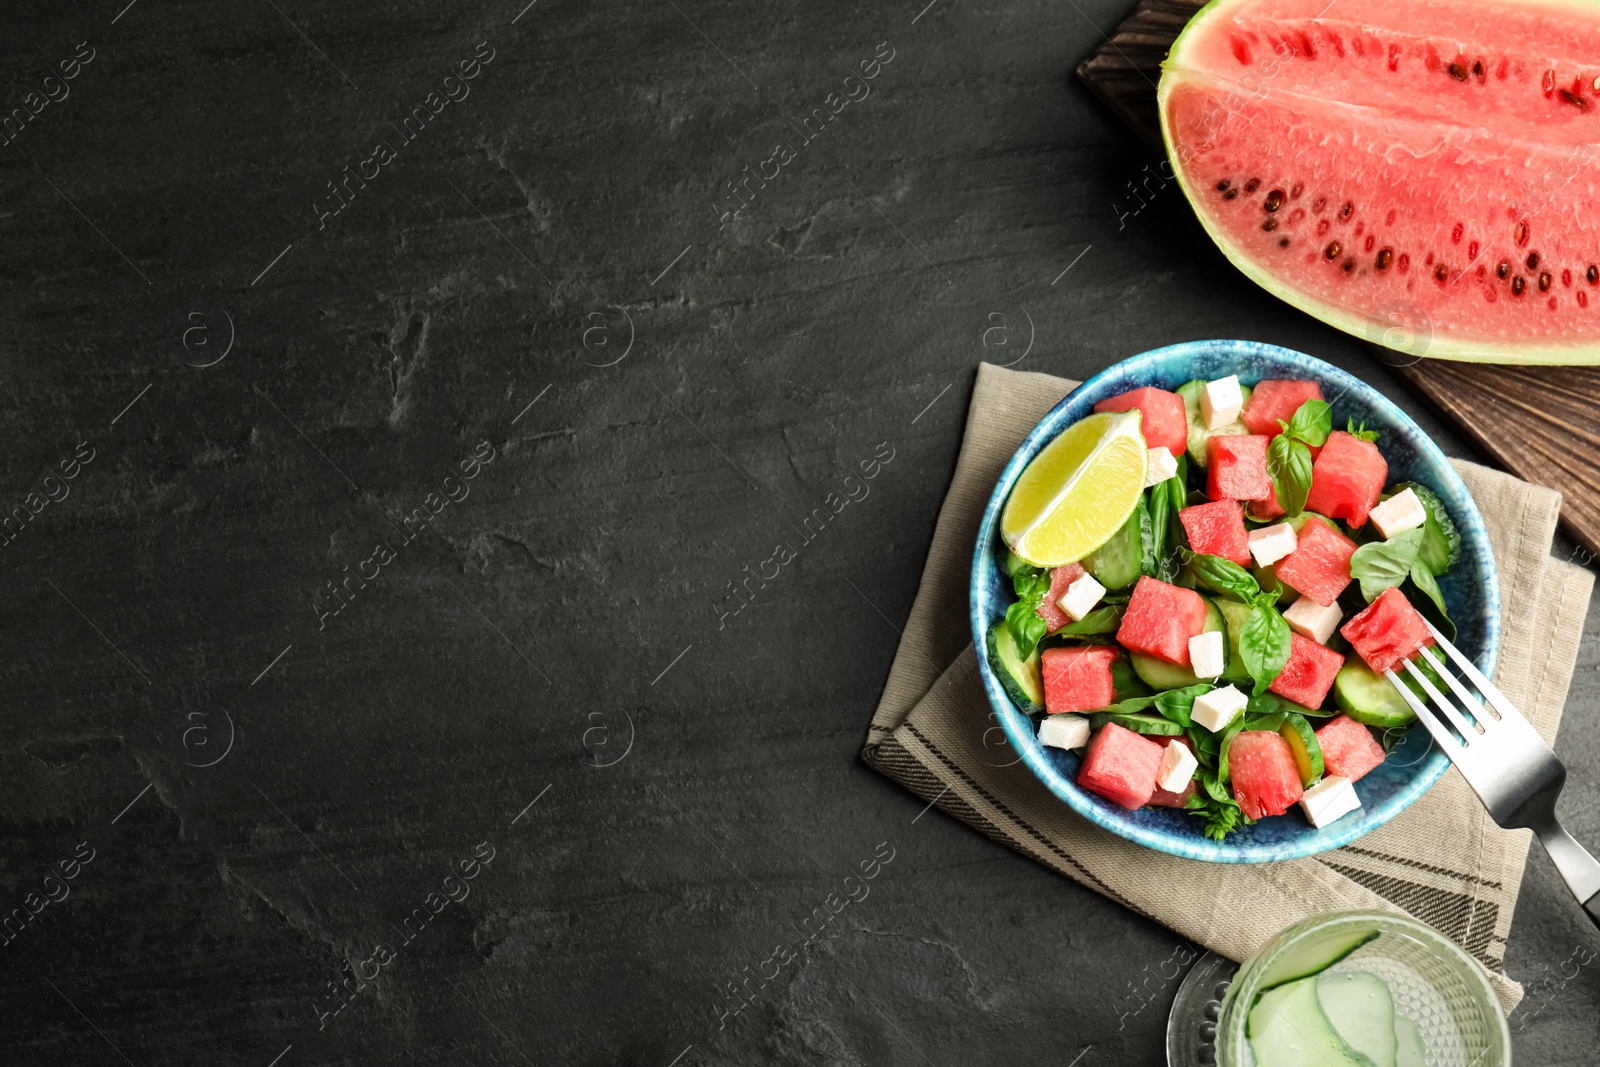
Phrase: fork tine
{"type": "Point", "coordinates": [1503, 707]}
{"type": "Point", "coordinates": [1486, 718]}
{"type": "Point", "coordinates": [1441, 733]}
{"type": "Point", "coordinates": [1469, 731]}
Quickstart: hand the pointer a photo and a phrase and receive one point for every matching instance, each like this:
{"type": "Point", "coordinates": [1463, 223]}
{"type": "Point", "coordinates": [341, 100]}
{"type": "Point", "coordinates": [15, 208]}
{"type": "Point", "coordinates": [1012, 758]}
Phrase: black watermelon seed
{"type": "Point", "coordinates": [1344, 212]}
{"type": "Point", "coordinates": [1231, 194]}
{"type": "Point", "coordinates": [1222, 186]}
{"type": "Point", "coordinates": [1573, 99]}
{"type": "Point", "coordinates": [1441, 272]}
{"type": "Point", "coordinates": [1333, 250]}
{"type": "Point", "coordinates": [1593, 275]}
{"type": "Point", "coordinates": [1252, 185]}
{"type": "Point", "coordinates": [1544, 281]}
{"type": "Point", "coordinates": [1533, 261]}
{"type": "Point", "coordinates": [1477, 68]}
{"type": "Point", "coordinates": [1385, 257]}
{"type": "Point", "coordinates": [1274, 200]}
{"type": "Point", "coordinates": [1458, 72]}
{"type": "Point", "coordinates": [1503, 271]}
{"type": "Point", "coordinates": [1348, 265]}
{"type": "Point", "coordinates": [1269, 225]}
{"type": "Point", "coordinates": [1518, 284]}
{"type": "Point", "coordinates": [1283, 242]}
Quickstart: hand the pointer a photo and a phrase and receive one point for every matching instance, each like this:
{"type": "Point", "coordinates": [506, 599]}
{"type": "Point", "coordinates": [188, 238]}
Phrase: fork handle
{"type": "Point", "coordinates": [1577, 867]}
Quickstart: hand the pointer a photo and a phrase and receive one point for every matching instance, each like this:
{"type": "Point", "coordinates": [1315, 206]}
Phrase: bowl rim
{"type": "Point", "coordinates": [1468, 520]}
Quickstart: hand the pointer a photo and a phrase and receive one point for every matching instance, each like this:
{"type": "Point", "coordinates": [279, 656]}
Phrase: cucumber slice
{"type": "Point", "coordinates": [1020, 678]}
{"type": "Point", "coordinates": [1016, 565]}
{"type": "Point", "coordinates": [1198, 434]}
{"type": "Point", "coordinates": [1287, 1028]}
{"type": "Point", "coordinates": [1303, 745]}
{"type": "Point", "coordinates": [1234, 613]}
{"type": "Point", "coordinates": [1370, 698]}
{"type": "Point", "coordinates": [1315, 957]}
{"type": "Point", "coordinates": [1160, 675]}
{"type": "Point", "coordinates": [1267, 577]}
{"type": "Point", "coordinates": [1412, 1050]}
{"type": "Point", "coordinates": [1118, 563]}
{"type": "Point", "coordinates": [1139, 724]}
{"type": "Point", "coordinates": [1361, 1009]}
{"type": "Point", "coordinates": [1441, 541]}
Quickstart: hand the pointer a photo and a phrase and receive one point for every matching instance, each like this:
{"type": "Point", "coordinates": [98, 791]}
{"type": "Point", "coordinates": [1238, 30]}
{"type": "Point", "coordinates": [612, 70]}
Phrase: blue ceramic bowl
{"type": "Point", "coordinates": [1471, 590]}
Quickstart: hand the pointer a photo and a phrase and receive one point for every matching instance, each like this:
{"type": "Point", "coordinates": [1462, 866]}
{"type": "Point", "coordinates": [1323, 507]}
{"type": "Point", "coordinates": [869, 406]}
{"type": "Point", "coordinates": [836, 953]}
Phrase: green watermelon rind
{"type": "Point", "coordinates": [1432, 346]}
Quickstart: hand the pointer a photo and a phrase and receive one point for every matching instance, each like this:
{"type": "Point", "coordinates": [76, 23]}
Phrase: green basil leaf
{"type": "Point", "coordinates": [1178, 704]}
{"type": "Point", "coordinates": [1204, 744]}
{"type": "Point", "coordinates": [1022, 617]}
{"type": "Point", "coordinates": [1264, 644]}
{"type": "Point", "coordinates": [1222, 747]}
{"type": "Point", "coordinates": [1267, 720]}
{"type": "Point", "coordinates": [1360, 431]}
{"type": "Point", "coordinates": [1378, 565]}
{"type": "Point", "coordinates": [1158, 505]}
{"type": "Point", "coordinates": [1149, 556]}
{"type": "Point", "coordinates": [1423, 579]}
{"type": "Point", "coordinates": [1022, 572]}
{"type": "Point", "coordinates": [1289, 465]}
{"type": "Point", "coordinates": [1225, 576]}
{"type": "Point", "coordinates": [1102, 620]}
{"type": "Point", "coordinates": [1146, 725]}
{"type": "Point", "coordinates": [1311, 423]}
{"type": "Point", "coordinates": [1173, 698]}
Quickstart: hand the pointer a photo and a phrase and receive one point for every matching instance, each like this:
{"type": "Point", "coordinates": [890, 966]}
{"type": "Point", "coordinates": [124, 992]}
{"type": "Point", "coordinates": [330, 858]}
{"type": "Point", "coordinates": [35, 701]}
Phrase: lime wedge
{"type": "Point", "coordinates": [1078, 490]}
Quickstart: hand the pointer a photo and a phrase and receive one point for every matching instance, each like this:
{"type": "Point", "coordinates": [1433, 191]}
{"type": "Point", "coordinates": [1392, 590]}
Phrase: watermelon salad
{"type": "Point", "coordinates": [1225, 651]}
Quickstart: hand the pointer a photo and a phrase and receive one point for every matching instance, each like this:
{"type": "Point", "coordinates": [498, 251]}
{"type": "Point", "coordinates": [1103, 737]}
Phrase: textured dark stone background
{"type": "Point", "coordinates": [506, 651]}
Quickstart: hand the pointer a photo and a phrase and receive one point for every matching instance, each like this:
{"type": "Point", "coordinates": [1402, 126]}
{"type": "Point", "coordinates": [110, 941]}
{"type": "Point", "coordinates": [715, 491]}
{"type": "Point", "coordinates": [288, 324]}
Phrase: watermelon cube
{"type": "Point", "coordinates": [1308, 674]}
{"type": "Point", "coordinates": [1163, 420]}
{"type": "Point", "coordinates": [1266, 779]}
{"type": "Point", "coordinates": [1268, 509]}
{"type": "Point", "coordinates": [1163, 798]}
{"type": "Point", "coordinates": [1387, 631]}
{"type": "Point", "coordinates": [1319, 566]}
{"type": "Point", "coordinates": [1347, 478]}
{"type": "Point", "coordinates": [1160, 619]}
{"type": "Point", "coordinates": [1348, 748]}
{"type": "Point", "coordinates": [1050, 607]}
{"type": "Point", "coordinates": [1121, 766]}
{"type": "Point", "coordinates": [1236, 468]}
{"type": "Point", "coordinates": [1077, 679]}
{"type": "Point", "coordinates": [1217, 529]}
{"type": "Point", "coordinates": [1275, 400]}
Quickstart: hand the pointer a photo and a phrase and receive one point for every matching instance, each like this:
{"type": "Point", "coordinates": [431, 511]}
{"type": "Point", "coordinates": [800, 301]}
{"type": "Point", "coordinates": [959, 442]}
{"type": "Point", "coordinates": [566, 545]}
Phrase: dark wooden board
{"type": "Point", "coordinates": [1540, 423]}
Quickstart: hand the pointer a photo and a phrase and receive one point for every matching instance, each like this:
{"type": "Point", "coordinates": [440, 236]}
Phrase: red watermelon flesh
{"type": "Point", "coordinates": [1121, 766]}
{"type": "Point", "coordinates": [1348, 748]}
{"type": "Point", "coordinates": [1077, 679]}
{"type": "Point", "coordinates": [1276, 400]}
{"type": "Point", "coordinates": [1160, 619]}
{"type": "Point", "coordinates": [1050, 607]}
{"type": "Point", "coordinates": [1236, 467]}
{"type": "Point", "coordinates": [1164, 422]}
{"type": "Point", "coordinates": [1217, 529]}
{"type": "Point", "coordinates": [1319, 566]}
{"type": "Point", "coordinates": [1308, 674]}
{"type": "Point", "coordinates": [1347, 478]}
{"type": "Point", "coordinates": [1266, 780]}
{"type": "Point", "coordinates": [1413, 173]}
{"type": "Point", "coordinates": [1268, 509]}
{"type": "Point", "coordinates": [1387, 631]}
{"type": "Point", "coordinates": [1163, 798]}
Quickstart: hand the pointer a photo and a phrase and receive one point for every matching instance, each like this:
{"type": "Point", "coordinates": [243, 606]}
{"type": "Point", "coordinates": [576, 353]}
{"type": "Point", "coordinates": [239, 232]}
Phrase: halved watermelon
{"type": "Point", "coordinates": [1266, 779]}
{"type": "Point", "coordinates": [1348, 748]}
{"type": "Point", "coordinates": [1276, 400]}
{"type": "Point", "coordinates": [1319, 566]}
{"type": "Point", "coordinates": [1387, 631]}
{"type": "Point", "coordinates": [1164, 422]}
{"type": "Point", "coordinates": [1413, 173]}
{"type": "Point", "coordinates": [1236, 468]}
{"type": "Point", "coordinates": [1160, 619]}
{"type": "Point", "coordinates": [1050, 606]}
{"type": "Point", "coordinates": [1306, 676]}
{"type": "Point", "coordinates": [1077, 679]}
{"type": "Point", "coordinates": [1121, 766]}
{"type": "Point", "coordinates": [1347, 478]}
{"type": "Point", "coordinates": [1217, 529]}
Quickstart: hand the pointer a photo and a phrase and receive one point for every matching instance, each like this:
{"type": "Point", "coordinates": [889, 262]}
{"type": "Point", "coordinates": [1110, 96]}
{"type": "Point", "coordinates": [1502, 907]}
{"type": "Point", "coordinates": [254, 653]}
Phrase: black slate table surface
{"type": "Point", "coordinates": [375, 514]}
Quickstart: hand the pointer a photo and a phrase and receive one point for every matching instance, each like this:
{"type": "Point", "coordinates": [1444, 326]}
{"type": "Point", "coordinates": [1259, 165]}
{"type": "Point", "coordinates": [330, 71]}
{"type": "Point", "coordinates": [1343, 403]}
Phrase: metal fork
{"type": "Point", "coordinates": [1506, 762]}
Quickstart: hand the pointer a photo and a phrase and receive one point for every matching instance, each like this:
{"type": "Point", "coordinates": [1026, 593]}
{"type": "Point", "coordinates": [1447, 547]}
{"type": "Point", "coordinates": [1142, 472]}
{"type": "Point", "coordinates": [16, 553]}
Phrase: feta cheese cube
{"type": "Point", "coordinates": [1162, 466]}
{"type": "Point", "coordinates": [1207, 655]}
{"type": "Point", "coordinates": [1221, 401]}
{"type": "Point", "coordinates": [1399, 513]}
{"type": "Point", "coordinates": [1177, 767]}
{"type": "Point", "coordinates": [1271, 543]}
{"type": "Point", "coordinates": [1081, 596]}
{"type": "Point", "coordinates": [1064, 731]}
{"type": "Point", "coordinates": [1309, 619]}
{"type": "Point", "coordinates": [1332, 798]}
{"type": "Point", "coordinates": [1217, 709]}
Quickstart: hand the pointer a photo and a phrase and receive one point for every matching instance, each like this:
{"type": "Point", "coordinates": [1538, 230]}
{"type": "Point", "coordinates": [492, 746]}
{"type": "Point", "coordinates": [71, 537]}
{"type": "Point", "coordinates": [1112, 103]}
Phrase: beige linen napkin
{"type": "Point", "coordinates": [1442, 860]}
